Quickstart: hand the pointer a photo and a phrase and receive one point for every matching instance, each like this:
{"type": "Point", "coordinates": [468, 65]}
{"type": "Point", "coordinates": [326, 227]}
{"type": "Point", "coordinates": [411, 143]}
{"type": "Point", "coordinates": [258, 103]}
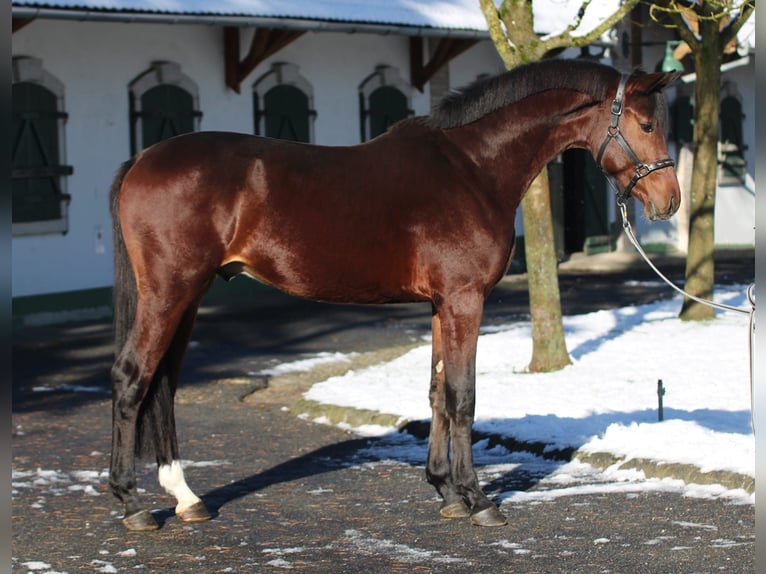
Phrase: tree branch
{"type": "Point", "coordinates": [746, 10]}
{"type": "Point", "coordinates": [501, 41]}
{"type": "Point", "coordinates": [578, 19]}
{"type": "Point", "coordinates": [684, 18]}
{"type": "Point", "coordinates": [679, 18]}
{"type": "Point", "coordinates": [565, 39]}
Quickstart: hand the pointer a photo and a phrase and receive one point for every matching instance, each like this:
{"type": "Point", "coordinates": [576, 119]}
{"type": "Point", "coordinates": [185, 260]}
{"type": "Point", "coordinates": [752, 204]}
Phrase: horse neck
{"type": "Point", "coordinates": [512, 145]}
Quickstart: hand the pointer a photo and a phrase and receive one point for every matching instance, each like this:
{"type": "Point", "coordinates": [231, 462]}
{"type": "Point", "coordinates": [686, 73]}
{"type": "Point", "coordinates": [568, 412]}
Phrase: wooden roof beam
{"type": "Point", "coordinates": [446, 50]}
{"type": "Point", "coordinates": [265, 43]}
{"type": "Point", "coordinates": [18, 23]}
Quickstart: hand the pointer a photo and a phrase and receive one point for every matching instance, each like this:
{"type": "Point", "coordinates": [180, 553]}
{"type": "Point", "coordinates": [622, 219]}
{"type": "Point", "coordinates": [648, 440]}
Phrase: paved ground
{"type": "Point", "coordinates": [289, 494]}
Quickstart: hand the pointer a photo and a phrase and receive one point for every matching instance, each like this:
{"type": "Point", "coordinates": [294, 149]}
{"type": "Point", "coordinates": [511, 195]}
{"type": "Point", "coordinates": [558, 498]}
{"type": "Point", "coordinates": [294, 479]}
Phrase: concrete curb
{"type": "Point", "coordinates": [337, 415]}
{"type": "Point", "coordinates": [688, 473]}
{"type": "Point", "coordinates": [289, 390]}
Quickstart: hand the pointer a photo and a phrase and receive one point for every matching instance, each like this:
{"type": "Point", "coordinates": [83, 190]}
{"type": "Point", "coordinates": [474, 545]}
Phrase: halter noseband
{"type": "Point", "coordinates": [613, 132]}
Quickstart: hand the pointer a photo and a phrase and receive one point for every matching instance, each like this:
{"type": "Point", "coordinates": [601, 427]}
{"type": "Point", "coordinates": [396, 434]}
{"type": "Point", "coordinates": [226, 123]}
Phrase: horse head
{"type": "Point", "coordinates": [634, 152]}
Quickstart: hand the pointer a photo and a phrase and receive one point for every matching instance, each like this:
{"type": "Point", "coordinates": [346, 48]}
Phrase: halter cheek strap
{"type": "Point", "coordinates": [613, 133]}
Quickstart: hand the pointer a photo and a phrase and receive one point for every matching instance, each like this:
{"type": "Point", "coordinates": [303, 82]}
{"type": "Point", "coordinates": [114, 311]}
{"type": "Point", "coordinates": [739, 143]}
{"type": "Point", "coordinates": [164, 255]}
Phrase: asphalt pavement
{"type": "Point", "coordinates": [290, 494]}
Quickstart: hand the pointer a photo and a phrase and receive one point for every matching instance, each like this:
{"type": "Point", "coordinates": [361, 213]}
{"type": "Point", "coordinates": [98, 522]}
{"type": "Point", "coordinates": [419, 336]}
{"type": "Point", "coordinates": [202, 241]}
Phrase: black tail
{"type": "Point", "coordinates": [124, 294]}
{"type": "Point", "coordinates": [155, 427]}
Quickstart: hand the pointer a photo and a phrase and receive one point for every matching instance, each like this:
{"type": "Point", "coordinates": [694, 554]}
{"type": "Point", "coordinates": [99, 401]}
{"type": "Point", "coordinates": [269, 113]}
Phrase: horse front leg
{"type": "Point", "coordinates": [438, 472]}
{"type": "Point", "coordinates": [460, 319]}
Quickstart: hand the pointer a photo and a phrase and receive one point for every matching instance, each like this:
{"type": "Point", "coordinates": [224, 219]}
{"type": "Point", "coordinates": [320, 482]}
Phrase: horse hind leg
{"type": "Point", "coordinates": [189, 507]}
{"type": "Point", "coordinates": [131, 380]}
{"type": "Point", "coordinates": [144, 376]}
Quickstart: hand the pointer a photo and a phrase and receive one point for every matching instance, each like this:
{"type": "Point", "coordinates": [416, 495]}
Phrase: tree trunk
{"type": "Point", "coordinates": [700, 267]}
{"type": "Point", "coordinates": [549, 352]}
{"type": "Point", "coordinates": [512, 30]}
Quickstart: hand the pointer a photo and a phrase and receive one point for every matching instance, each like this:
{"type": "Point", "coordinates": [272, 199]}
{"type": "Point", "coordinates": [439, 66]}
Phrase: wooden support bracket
{"type": "Point", "coordinates": [18, 23]}
{"type": "Point", "coordinates": [266, 42]}
{"type": "Point", "coordinates": [446, 50]}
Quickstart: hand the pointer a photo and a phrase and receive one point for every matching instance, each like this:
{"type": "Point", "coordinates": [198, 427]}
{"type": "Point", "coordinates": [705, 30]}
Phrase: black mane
{"type": "Point", "coordinates": [488, 94]}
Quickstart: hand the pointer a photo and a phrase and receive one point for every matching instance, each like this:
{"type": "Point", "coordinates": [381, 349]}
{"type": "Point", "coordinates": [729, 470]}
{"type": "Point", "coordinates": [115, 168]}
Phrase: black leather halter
{"type": "Point", "coordinates": [613, 133]}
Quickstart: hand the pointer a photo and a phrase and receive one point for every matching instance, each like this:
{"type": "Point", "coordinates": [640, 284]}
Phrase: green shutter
{"type": "Point", "coordinates": [37, 172]}
{"type": "Point", "coordinates": [731, 146]}
{"type": "Point", "coordinates": [586, 202]}
{"type": "Point", "coordinates": [387, 105]}
{"type": "Point", "coordinates": [287, 113]}
{"type": "Point", "coordinates": [166, 111]}
{"type": "Point", "coordinates": [683, 116]}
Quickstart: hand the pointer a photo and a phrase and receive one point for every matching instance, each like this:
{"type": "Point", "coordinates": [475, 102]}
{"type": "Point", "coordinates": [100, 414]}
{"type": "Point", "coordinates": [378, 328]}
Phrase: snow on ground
{"type": "Point", "coordinates": [607, 400]}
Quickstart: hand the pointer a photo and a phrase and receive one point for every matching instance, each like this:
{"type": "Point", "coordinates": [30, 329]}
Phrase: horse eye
{"type": "Point", "coordinates": [648, 128]}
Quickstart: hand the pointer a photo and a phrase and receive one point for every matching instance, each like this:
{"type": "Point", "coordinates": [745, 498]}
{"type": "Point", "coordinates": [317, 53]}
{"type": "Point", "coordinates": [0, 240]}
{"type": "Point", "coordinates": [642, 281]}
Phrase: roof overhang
{"type": "Point", "coordinates": [300, 24]}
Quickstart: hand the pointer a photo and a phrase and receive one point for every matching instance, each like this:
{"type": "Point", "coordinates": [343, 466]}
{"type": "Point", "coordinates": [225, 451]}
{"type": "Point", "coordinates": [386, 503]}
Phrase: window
{"type": "Point", "coordinates": [384, 99]}
{"type": "Point", "coordinates": [164, 102]}
{"type": "Point", "coordinates": [39, 178]}
{"type": "Point", "coordinates": [283, 103]}
{"type": "Point", "coordinates": [682, 114]}
{"type": "Point", "coordinates": [731, 148]}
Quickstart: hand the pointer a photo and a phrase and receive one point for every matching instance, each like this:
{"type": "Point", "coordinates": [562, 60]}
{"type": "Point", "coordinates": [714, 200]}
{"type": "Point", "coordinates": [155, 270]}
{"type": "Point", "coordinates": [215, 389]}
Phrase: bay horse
{"type": "Point", "coordinates": [423, 213]}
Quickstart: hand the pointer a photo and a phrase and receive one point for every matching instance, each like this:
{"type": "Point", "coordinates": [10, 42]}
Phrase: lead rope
{"type": "Point", "coordinates": [750, 297]}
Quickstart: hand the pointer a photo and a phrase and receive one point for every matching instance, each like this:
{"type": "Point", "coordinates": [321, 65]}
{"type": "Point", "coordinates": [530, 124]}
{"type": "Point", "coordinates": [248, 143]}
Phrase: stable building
{"type": "Point", "coordinates": [96, 82]}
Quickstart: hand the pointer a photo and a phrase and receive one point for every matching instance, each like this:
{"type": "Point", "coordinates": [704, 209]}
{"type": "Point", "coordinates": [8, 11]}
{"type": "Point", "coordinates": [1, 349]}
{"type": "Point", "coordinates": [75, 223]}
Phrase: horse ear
{"type": "Point", "coordinates": [655, 82]}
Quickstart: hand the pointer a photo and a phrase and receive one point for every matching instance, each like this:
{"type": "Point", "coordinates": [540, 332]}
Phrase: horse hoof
{"type": "Point", "coordinates": [455, 510]}
{"type": "Point", "coordinates": [490, 516]}
{"type": "Point", "coordinates": [141, 520]}
{"type": "Point", "coordinates": [197, 512]}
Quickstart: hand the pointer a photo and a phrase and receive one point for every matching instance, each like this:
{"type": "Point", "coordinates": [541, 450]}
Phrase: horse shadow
{"type": "Point", "coordinates": [522, 464]}
{"type": "Point", "coordinates": [327, 459]}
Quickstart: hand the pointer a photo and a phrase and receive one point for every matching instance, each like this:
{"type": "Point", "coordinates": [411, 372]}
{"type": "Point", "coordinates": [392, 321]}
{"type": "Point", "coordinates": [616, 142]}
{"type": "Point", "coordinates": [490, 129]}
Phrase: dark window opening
{"type": "Point", "coordinates": [163, 103]}
{"type": "Point", "coordinates": [166, 111]}
{"type": "Point", "coordinates": [731, 148]}
{"type": "Point", "coordinates": [38, 173]}
{"type": "Point", "coordinates": [384, 99]}
{"type": "Point", "coordinates": [286, 114]}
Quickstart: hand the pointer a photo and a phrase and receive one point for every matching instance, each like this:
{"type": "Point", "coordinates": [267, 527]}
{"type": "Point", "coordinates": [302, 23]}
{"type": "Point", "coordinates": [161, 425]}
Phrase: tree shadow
{"type": "Point", "coordinates": [60, 368]}
{"type": "Point", "coordinates": [627, 318]}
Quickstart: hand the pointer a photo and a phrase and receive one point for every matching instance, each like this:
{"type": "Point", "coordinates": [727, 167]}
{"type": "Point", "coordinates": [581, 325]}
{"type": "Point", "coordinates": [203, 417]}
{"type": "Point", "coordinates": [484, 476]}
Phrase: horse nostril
{"type": "Point", "coordinates": [673, 205]}
{"type": "Point", "coordinates": [652, 211]}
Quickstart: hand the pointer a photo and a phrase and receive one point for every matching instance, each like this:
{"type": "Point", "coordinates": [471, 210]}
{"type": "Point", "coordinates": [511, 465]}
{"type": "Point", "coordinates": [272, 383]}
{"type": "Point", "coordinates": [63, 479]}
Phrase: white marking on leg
{"type": "Point", "coordinates": [171, 478]}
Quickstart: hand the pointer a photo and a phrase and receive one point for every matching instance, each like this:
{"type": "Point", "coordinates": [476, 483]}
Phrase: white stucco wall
{"type": "Point", "coordinates": [97, 61]}
{"type": "Point", "coordinates": [735, 204]}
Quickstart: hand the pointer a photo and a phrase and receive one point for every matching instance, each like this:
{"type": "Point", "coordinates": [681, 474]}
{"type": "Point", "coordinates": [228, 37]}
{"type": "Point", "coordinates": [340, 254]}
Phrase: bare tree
{"type": "Point", "coordinates": [511, 27]}
{"type": "Point", "coordinates": [708, 28]}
